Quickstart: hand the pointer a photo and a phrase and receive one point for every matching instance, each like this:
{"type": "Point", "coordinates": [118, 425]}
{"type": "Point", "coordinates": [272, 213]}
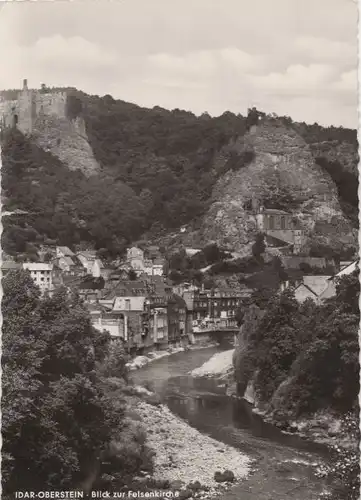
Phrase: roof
{"type": "Point", "coordinates": [125, 288]}
{"type": "Point", "coordinates": [348, 270]}
{"type": "Point", "coordinates": [317, 284]}
{"type": "Point", "coordinates": [275, 242]}
{"type": "Point", "coordinates": [9, 264]}
{"type": "Point", "coordinates": [96, 307]}
{"type": "Point", "coordinates": [37, 266]}
{"type": "Point", "coordinates": [274, 211]}
{"type": "Point", "coordinates": [66, 251]}
{"type": "Point", "coordinates": [88, 254]}
{"type": "Point", "coordinates": [129, 303]}
{"type": "Point", "coordinates": [69, 261]}
{"type": "Point", "coordinates": [302, 285]}
{"type": "Point", "coordinates": [91, 283]}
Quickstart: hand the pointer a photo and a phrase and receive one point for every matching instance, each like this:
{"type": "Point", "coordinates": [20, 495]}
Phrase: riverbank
{"type": "Point", "coordinates": [323, 427]}
{"type": "Point", "coordinates": [220, 365]}
{"type": "Point", "coordinates": [140, 361]}
{"type": "Point", "coordinates": [185, 457]}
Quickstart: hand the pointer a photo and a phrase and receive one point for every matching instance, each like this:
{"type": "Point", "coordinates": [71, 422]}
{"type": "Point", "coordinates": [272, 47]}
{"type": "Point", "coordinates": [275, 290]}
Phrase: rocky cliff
{"type": "Point", "coordinates": [67, 139]}
{"type": "Point", "coordinates": [281, 173]}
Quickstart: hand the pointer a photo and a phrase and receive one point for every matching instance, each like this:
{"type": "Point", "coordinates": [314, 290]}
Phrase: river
{"type": "Point", "coordinates": [285, 464]}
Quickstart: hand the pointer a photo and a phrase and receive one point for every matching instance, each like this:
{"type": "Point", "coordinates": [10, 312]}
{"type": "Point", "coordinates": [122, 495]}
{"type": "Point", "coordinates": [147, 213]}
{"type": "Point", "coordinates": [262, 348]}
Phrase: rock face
{"type": "Point", "coordinates": [282, 168]}
{"type": "Point", "coordinates": [66, 139]}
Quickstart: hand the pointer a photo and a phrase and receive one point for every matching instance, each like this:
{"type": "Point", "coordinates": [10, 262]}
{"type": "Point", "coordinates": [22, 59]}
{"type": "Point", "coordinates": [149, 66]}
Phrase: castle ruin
{"type": "Point", "coordinates": [30, 105]}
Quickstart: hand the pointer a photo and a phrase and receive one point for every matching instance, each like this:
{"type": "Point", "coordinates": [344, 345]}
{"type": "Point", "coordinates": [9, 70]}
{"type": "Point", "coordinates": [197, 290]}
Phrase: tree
{"type": "Point", "coordinates": [132, 275]}
{"type": "Point", "coordinates": [57, 416]}
{"type": "Point", "coordinates": [259, 246]}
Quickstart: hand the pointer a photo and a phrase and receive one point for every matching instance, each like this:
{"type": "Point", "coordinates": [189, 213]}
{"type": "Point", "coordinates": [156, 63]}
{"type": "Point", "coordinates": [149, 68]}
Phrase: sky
{"type": "Point", "coordinates": [290, 57]}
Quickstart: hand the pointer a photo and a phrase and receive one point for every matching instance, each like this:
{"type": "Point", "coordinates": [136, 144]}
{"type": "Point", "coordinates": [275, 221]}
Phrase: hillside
{"type": "Point", "coordinates": [154, 171]}
{"type": "Point", "coordinates": [282, 174]}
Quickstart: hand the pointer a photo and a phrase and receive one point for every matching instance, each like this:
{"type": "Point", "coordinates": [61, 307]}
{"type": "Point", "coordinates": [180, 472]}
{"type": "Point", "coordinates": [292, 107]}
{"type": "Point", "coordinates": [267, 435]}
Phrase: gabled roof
{"type": "Point", "coordinates": [66, 251]}
{"type": "Point", "coordinates": [302, 285]}
{"type": "Point", "coordinates": [69, 261]}
{"type": "Point", "coordinates": [88, 254]}
{"type": "Point", "coordinates": [125, 288]}
{"type": "Point", "coordinates": [317, 284]}
{"type": "Point", "coordinates": [348, 270]}
{"type": "Point", "coordinates": [9, 264]}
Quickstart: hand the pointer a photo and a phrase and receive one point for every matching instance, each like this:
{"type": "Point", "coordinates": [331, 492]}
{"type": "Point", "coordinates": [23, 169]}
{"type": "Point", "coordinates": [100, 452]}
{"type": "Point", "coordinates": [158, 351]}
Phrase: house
{"type": "Point", "coordinates": [135, 258]}
{"type": "Point", "coordinates": [64, 252]}
{"type": "Point", "coordinates": [97, 269]}
{"type": "Point", "coordinates": [87, 259]}
{"type": "Point", "coordinates": [307, 286]}
{"type": "Point", "coordinates": [131, 309]}
{"type": "Point", "coordinates": [126, 300]}
{"type": "Point", "coordinates": [304, 292]}
{"type": "Point", "coordinates": [330, 291]}
{"type": "Point", "coordinates": [158, 267]}
{"type": "Point", "coordinates": [282, 226]}
{"type": "Point", "coordinates": [177, 320]}
{"type": "Point", "coordinates": [103, 319]}
{"type": "Point", "coordinates": [66, 264]}
{"type": "Point", "coordinates": [156, 318]}
{"type": "Point", "coordinates": [9, 265]}
{"type": "Point", "coordinates": [41, 273]}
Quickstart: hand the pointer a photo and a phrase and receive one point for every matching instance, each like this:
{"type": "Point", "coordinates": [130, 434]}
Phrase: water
{"type": "Point", "coordinates": [285, 464]}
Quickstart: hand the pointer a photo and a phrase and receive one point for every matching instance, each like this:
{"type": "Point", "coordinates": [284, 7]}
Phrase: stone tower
{"type": "Point", "coordinates": [26, 110]}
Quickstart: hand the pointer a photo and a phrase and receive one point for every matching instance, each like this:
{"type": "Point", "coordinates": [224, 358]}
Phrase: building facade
{"type": "Point", "coordinates": [41, 274]}
{"type": "Point", "coordinates": [282, 226]}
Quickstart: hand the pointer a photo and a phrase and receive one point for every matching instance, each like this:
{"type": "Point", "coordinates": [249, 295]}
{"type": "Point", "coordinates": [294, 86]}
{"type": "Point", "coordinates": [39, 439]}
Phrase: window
{"type": "Point", "coordinates": [283, 222]}
{"type": "Point", "coordinates": [271, 222]}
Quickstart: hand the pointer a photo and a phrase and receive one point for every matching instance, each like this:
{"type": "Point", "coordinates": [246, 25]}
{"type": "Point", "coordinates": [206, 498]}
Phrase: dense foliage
{"type": "Point", "coordinates": [58, 413]}
{"type": "Point", "coordinates": [63, 206]}
{"type": "Point", "coordinates": [312, 347]}
{"type": "Point", "coordinates": [158, 169]}
{"type": "Point", "coordinates": [347, 186]}
{"type": "Point", "coordinates": [182, 267]}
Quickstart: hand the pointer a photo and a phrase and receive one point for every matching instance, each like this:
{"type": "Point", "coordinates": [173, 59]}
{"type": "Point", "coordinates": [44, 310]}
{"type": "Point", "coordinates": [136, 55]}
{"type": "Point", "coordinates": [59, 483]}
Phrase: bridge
{"type": "Point", "coordinates": [214, 333]}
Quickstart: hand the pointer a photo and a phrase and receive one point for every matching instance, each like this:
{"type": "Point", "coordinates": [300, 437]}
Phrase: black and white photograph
{"type": "Point", "coordinates": [179, 249]}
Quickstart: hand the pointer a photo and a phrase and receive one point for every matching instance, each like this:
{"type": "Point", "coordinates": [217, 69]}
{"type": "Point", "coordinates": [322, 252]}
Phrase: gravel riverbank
{"type": "Point", "coordinates": [185, 455]}
{"type": "Point", "coordinates": [140, 361]}
{"type": "Point", "coordinates": [219, 365]}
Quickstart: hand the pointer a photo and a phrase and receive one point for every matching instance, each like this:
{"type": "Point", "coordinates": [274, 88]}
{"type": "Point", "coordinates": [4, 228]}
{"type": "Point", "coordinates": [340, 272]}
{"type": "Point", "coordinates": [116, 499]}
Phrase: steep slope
{"type": "Point", "coordinates": [282, 174]}
{"type": "Point", "coordinates": [67, 140]}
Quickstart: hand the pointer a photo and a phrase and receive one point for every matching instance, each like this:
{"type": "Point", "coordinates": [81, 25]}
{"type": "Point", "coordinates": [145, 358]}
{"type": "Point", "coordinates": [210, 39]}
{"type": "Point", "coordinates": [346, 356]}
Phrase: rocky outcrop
{"type": "Point", "coordinates": [283, 169]}
{"type": "Point", "coordinates": [66, 139]}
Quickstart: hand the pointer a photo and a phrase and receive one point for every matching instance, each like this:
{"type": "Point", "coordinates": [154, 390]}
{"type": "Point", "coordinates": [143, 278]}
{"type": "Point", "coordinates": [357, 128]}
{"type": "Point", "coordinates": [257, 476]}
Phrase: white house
{"type": "Point", "coordinates": [41, 273]}
{"type": "Point", "coordinates": [135, 258]}
{"type": "Point", "coordinates": [87, 258]}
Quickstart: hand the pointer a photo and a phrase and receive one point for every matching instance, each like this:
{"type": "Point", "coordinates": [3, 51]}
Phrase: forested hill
{"type": "Point", "coordinates": [158, 169]}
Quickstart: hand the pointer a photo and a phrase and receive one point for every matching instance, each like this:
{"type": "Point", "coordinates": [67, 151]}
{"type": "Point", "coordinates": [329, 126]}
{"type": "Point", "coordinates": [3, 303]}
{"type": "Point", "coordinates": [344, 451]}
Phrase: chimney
{"type": "Point", "coordinates": [25, 84]}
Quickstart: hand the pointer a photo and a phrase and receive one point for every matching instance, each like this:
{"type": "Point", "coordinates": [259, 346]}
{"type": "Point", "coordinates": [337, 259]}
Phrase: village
{"type": "Point", "coordinates": [135, 301]}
